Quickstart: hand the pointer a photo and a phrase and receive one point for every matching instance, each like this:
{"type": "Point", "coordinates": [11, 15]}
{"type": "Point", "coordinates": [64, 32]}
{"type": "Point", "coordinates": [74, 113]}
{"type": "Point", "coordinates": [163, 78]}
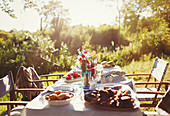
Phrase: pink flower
{"type": "Point", "coordinates": [83, 56]}
{"type": "Point", "coordinates": [85, 51]}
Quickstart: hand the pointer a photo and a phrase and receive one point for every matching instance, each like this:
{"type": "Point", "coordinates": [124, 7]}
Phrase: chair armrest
{"type": "Point", "coordinates": [50, 75]}
{"type": "Point", "coordinates": [141, 74]}
{"type": "Point", "coordinates": [150, 92]}
{"type": "Point", "coordinates": [43, 80]}
{"type": "Point", "coordinates": [34, 81]}
{"type": "Point", "coordinates": [14, 102]}
{"type": "Point", "coordinates": [10, 104]}
{"type": "Point", "coordinates": [27, 92]}
{"type": "Point", "coordinates": [30, 89]}
{"type": "Point", "coordinates": [166, 84]}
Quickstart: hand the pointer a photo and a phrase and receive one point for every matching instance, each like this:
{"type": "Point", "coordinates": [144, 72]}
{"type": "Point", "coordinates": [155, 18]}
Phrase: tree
{"type": "Point", "coordinates": [161, 9]}
{"type": "Point", "coordinates": [50, 11]}
{"type": "Point", "coordinates": [148, 22]}
{"type": "Point", "coordinates": [131, 12]}
{"type": "Point", "coordinates": [57, 25]}
{"type": "Point", "coordinates": [136, 10]}
{"type": "Point", "coordinates": [119, 18]}
{"type": "Point", "coordinates": [6, 6]}
{"type": "Point", "coordinates": [53, 16]}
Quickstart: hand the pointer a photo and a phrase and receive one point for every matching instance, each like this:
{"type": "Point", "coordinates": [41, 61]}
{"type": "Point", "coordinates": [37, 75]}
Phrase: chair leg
{"type": "Point", "coordinates": [8, 109]}
{"type": "Point", "coordinates": [166, 87]}
{"type": "Point", "coordinates": [154, 101]}
{"type": "Point", "coordinates": [47, 81]}
{"type": "Point", "coordinates": [148, 81]}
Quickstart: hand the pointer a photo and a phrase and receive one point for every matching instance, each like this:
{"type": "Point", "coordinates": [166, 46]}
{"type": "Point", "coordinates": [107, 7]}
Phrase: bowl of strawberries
{"type": "Point", "coordinates": [73, 77]}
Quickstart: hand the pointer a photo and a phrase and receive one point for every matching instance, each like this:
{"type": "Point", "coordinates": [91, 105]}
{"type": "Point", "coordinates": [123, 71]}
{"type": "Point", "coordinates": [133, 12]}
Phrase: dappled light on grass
{"type": "Point", "coordinates": [53, 77]}
{"type": "Point", "coordinates": [138, 67]}
{"type": "Point", "coordinates": [3, 107]}
{"type": "Point", "coordinates": [147, 109]}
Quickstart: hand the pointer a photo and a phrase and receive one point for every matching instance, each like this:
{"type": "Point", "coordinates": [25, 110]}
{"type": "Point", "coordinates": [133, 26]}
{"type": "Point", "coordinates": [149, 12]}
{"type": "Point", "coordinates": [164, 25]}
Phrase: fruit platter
{"type": "Point", "coordinates": [112, 98]}
{"type": "Point", "coordinates": [73, 77]}
{"type": "Point", "coordinates": [59, 98]}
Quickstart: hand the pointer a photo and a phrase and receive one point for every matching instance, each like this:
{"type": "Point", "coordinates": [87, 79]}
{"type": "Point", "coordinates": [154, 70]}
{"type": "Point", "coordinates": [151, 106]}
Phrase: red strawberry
{"type": "Point", "coordinates": [75, 77]}
{"type": "Point", "coordinates": [68, 78]}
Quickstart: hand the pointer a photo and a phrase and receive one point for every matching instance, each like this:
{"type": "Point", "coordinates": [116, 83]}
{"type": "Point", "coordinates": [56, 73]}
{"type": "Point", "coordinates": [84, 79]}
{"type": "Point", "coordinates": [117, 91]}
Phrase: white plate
{"type": "Point", "coordinates": [60, 102]}
{"type": "Point", "coordinates": [117, 87]}
{"type": "Point", "coordinates": [73, 80]}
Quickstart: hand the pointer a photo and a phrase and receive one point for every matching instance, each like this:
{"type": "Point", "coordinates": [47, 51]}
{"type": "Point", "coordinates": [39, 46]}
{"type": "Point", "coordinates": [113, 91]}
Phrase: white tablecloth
{"type": "Point", "coordinates": [78, 107]}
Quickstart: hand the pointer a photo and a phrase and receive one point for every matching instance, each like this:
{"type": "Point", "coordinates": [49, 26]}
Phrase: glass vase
{"type": "Point", "coordinates": [85, 80]}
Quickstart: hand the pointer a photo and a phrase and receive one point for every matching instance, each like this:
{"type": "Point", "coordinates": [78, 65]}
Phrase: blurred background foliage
{"type": "Point", "coordinates": [54, 46]}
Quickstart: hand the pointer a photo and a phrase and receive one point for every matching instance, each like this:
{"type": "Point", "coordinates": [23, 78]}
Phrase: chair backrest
{"type": "Point", "coordinates": [25, 75]}
{"type": "Point", "coordinates": [158, 72]}
{"type": "Point", "coordinates": [34, 76]}
{"type": "Point", "coordinates": [23, 80]}
{"type": "Point", "coordinates": [7, 86]}
{"type": "Point", "coordinates": [159, 69]}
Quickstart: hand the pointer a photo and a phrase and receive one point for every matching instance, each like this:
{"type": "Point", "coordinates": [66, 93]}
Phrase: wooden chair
{"type": "Point", "coordinates": [157, 73]}
{"type": "Point", "coordinates": [59, 75]}
{"type": "Point", "coordinates": [7, 87]}
{"type": "Point", "coordinates": [28, 78]}
{"type": "Point", "coordinates": [29, 75]}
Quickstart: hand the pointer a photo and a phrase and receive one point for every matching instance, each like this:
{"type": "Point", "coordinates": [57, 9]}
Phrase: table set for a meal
{"type": "Point", "coordinates": [109, 97]}
{"type": "Point", "coordinates": [88, 89]}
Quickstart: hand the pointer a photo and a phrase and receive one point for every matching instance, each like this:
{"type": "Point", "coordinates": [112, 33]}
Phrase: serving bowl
{"type": "Point", "coordinates": [60, 102]}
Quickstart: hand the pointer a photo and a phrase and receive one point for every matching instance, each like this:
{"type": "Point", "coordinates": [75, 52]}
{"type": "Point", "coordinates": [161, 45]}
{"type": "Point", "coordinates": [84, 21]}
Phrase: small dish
{"type": "Point", "coordinates": [61, 102]}
{"type": "Point", "coordinates": [73, 80]}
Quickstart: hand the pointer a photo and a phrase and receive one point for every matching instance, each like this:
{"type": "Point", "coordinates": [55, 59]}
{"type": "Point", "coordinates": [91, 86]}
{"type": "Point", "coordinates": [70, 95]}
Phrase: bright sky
{"type": "Point", "coordinates": [85, 12]}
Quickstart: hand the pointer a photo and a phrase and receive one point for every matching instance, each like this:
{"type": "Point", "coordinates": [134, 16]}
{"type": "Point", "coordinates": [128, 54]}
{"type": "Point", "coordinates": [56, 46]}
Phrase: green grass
{"type": "Point", "coordinates": [143, 67]}
{"type": "Point", "coordinates": [3, 107]}
{"type": "Point", "coordinates": [134, 67]}
{"type": "Point", "coordinates": [53, 77]}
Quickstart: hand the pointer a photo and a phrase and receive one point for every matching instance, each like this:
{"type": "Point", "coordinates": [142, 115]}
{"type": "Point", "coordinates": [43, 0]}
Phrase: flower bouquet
{"type": "Point", "coordinates": [83, 58]}
{"type": "Point", "coordinates": [84, 62]}
{"type": "Point", "coordinates": [87, 63]}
